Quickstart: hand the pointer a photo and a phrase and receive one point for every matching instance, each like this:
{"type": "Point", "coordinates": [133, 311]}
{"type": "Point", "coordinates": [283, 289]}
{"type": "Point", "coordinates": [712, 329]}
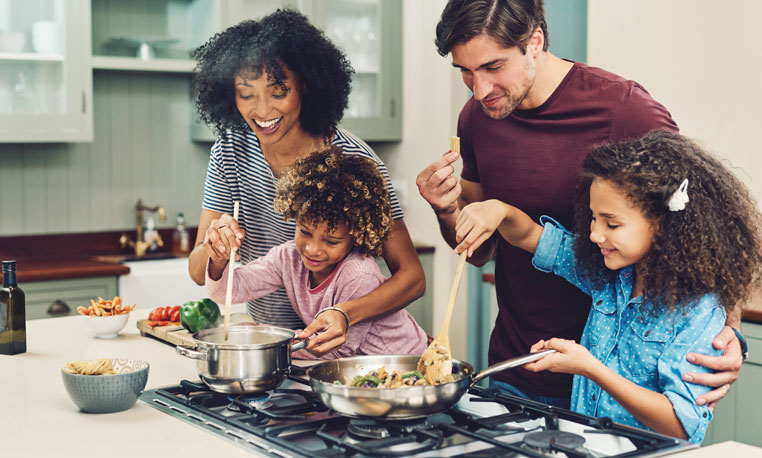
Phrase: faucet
{"type": "Point", "coordinates": [139, 244]}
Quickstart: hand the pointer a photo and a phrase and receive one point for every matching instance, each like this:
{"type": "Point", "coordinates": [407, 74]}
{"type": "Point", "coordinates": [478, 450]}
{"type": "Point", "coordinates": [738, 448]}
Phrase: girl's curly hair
{"type": "Point", "coordinates": [339, 189]}
{"type": "Point", "coordinates": [712, 246]}
{"type": "Point", "coordinates": [284, 38]}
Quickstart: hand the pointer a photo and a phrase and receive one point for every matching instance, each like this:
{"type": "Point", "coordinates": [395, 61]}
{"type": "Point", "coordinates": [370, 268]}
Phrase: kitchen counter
{"type": "Point", "coordinates": [42, 421]}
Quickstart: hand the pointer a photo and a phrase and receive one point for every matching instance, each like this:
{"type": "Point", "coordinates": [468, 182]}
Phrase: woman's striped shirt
{"type": "Point", "coordinates": [239, 172]}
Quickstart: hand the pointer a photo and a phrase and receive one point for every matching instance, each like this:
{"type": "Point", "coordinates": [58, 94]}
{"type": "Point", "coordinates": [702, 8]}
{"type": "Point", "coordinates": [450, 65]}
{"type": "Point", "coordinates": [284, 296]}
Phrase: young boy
{"type": "Point", "coordinates": [343, 216]}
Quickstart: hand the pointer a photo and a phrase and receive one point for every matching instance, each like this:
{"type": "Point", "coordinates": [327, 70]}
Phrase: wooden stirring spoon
{"type": "Point", "coordinates": [436, 361]}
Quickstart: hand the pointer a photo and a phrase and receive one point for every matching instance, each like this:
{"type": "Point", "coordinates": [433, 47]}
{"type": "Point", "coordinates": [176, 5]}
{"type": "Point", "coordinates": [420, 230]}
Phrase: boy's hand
{"type": "Point", "coordinates": [331, 329]}
{"type": "Point", "coordinates": [569, 358]}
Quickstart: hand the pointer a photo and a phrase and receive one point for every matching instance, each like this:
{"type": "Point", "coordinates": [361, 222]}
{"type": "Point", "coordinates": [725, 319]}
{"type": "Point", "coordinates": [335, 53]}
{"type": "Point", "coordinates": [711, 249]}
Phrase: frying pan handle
{"type": "Point", "coordinates": [508, 364]}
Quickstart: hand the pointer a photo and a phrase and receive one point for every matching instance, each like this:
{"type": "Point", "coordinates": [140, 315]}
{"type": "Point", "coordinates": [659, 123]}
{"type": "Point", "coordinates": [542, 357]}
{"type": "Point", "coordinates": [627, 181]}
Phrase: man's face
{"type": "Point", "coordinates": [499, 77]}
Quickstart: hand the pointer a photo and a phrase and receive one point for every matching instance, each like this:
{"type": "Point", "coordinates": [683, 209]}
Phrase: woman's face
{"type": "Point", "coordinates": [622, 232]}
{"type": "Point", "coordinates": [270, 109]}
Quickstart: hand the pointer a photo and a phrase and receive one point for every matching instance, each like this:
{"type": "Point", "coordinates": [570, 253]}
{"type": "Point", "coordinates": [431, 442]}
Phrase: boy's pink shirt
{"type": "Point", "coordinates": [355, 276]}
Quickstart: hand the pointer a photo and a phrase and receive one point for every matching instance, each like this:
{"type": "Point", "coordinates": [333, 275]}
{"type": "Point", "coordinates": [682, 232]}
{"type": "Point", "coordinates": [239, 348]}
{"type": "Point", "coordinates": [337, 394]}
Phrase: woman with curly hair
{"type": "Point", "coordinates": [275, 89]}
{"type": "Point", "coordinates": [343, 217]}
{"type": "Point", "coordinates": [668, 240]}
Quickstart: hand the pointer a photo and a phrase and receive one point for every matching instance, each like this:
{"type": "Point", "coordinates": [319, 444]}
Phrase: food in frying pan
{"type": "Point", "coordinates": [382, 378]}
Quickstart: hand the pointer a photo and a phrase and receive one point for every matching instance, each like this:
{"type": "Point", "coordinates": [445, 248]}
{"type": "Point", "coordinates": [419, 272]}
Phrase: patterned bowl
{"type": "Point", "coordinates": [107, 327]}
{"type": "Point", "coordinates": [108, 393]}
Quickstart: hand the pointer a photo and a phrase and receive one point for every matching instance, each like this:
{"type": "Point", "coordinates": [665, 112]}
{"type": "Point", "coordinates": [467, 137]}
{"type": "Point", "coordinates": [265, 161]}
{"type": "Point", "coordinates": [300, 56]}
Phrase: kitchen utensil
{"type": "Point", "coordinates": [229, 290]}
{"type": "Point", "coordinates": [397, 403]}
{"type": "Point", "coordinates": [108, 393]}
{"type": "Point", "coordinates": [253, 358]}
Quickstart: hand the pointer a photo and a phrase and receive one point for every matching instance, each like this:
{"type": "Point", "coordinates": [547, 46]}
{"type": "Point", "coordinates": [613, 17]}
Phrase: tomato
{"type": "Point", "coordinates": [175, 315]}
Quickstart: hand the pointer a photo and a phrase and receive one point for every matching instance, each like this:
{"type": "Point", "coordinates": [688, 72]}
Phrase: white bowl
{"type": "Point", "coordinates": [107, 327]}
{"type": "Point", "coordinates": [12, 41]}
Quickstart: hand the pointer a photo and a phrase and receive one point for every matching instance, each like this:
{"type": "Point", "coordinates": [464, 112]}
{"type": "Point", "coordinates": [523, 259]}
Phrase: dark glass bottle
{"type": "Point", "coordinates": [12, 313]}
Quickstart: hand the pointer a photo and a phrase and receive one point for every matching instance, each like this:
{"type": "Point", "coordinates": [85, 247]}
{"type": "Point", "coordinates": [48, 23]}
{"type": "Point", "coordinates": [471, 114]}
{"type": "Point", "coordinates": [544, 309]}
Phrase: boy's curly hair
{"type": "Point", "coordinates": [712, 246]}
{"type": "Point", "coordinates": [333, 187]}
{"type": "Point", "coordinates": [284, 38]}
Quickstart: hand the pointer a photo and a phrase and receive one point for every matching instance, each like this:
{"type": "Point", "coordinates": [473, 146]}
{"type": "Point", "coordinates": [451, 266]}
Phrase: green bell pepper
{"type": "Point", "coordinates": [198, 315]}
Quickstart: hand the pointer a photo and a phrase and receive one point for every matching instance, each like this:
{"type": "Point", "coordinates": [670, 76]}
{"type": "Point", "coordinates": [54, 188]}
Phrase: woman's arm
{"type": "Point", "coordinates": [406, 284]}
{"type": "Point", "coordinates": [217, 233]}
{"type": "Point", "coordinates": [649, 407]}
{"type": "Point", "coordinates": [479, 220]}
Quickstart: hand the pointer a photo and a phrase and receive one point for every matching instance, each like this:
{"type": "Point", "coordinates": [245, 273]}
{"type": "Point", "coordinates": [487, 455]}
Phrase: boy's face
{"type": "Point", "coordinates": [320, 249]}
{"type": "Point", "coordinates": [621, 231]}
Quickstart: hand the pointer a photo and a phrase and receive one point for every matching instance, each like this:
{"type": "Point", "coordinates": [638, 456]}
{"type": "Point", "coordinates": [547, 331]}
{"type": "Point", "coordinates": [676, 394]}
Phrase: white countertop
{"type": "Point", "coordinates": [38, 417]}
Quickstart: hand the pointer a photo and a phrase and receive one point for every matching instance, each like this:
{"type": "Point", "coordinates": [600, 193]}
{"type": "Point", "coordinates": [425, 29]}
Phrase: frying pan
{"type": "Point", "coordinates": [396, 403]}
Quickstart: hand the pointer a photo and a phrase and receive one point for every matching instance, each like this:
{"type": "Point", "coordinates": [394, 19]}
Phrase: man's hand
{"type": "Point", "coordinates": [439, 186]}
{"type": "Point", "coordinates": [331, 329]}
{"type": "Point", "coordinates": [726, 367]}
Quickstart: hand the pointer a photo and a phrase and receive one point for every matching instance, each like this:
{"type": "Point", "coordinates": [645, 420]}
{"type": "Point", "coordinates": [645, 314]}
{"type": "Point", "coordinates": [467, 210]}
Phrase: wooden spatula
{"type": "Point", "coordinates": [229, 291]}
{"type": "Point", "coordinates": [436, 361]}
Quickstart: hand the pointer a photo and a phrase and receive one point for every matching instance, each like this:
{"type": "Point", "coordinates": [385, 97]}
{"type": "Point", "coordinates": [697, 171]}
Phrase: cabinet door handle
{"type": "Point", "coordinates": [59, 307]}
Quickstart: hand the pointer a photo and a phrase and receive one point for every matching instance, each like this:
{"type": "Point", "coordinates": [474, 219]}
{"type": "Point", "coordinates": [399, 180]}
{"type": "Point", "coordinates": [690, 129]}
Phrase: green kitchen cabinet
{"type": "Point", "coordinates": [421, 308]}
{"type": "Point", "coordinates": [737, 416]}
{"type": "Point", "coordinates": [40, 295]}
{"type": "Point", "coordinates": [45, 80]}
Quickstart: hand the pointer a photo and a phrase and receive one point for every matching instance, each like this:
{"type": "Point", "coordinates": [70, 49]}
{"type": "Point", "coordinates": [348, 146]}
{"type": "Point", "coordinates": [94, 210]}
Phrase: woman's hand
{"type": "Point", "coordinates": [569, 358]}
{"type": "Point", "coordinates": [476, 223]}
{"type": "Point", "coordinates": [221, 236]}
{"type": "Point", "coordinates": [331, 328]}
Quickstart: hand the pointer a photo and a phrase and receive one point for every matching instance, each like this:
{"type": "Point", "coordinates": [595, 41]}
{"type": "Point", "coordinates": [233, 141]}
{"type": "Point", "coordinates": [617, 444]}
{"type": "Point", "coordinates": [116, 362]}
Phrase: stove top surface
{"type": "Point", "coordinates": [290, 422]}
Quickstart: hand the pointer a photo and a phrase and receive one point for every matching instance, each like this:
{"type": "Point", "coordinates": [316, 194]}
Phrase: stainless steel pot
{"type": "Point", "coordinates": [404, 402]}
{"type": "Point", "coordinates": [254, 358]}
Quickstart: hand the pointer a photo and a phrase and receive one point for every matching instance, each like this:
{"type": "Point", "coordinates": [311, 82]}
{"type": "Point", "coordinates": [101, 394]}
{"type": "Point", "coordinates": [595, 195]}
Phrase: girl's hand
{"type": "Point", "coordinates": [476, 223]}
{"type": "Point", "coordinates": [570, 357]}
{"type": "Point", "coordinates": [331, 328]}
{"type": "Point", "coordinates": [222, 235]}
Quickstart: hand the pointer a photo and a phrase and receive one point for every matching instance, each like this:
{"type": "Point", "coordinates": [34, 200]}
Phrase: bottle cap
{"type": "Point", "coordinates": [9, 266]}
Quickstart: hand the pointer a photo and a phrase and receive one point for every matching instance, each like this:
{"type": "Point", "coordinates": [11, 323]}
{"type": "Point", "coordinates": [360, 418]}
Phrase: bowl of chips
{"type": "Point", "coordinates": [105, 385]}
{"type": "Point", "coordinates": [106, 317]}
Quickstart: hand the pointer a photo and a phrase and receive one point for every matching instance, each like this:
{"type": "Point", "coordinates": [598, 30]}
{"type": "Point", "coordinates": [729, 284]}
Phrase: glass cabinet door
{"type": "Point", "coordinates": [370, 34]}
{"type": "Point", "coordinates": [45, 84]}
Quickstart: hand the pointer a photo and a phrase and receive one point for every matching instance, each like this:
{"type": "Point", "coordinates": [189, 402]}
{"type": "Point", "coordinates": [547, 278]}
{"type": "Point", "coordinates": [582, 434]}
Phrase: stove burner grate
{"type": "Point", "coordinates": [554, 441]}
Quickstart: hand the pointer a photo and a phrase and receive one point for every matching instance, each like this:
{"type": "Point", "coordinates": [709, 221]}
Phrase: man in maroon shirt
{"type": "Point", "coordinates": [532, 119]}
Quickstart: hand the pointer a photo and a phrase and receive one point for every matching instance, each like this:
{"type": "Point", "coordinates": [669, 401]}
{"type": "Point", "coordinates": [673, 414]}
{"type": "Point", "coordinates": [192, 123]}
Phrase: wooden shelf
{"type": "Point", "coordinates": [138, 65]}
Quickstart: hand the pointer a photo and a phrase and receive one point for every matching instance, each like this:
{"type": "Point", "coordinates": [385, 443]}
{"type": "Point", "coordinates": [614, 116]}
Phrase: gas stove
{"type": "Point", "coordinates": [291, 422]}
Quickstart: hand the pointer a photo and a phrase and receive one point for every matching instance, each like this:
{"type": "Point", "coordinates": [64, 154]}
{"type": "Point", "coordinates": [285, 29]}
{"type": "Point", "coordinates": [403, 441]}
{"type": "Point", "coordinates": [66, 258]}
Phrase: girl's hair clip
{"type": "Point", "coordinates": [679, 198]}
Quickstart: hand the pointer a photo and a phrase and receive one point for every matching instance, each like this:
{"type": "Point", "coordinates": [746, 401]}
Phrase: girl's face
{"type": "Point", "coordinates": [270, 109]}
{"type": "Point", "coordinates": [620, 230]}
{"type": "Point", "coordinates": [320, 249]}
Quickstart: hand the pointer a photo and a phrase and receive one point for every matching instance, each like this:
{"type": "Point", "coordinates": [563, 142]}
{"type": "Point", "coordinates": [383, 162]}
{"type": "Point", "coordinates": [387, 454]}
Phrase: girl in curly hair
{"type": "Point", "coordinates": [275, 89]}
{"type": "Point", "coordinates": [668, 239]}
{"type": "Point", "coordinates": [343, 217]}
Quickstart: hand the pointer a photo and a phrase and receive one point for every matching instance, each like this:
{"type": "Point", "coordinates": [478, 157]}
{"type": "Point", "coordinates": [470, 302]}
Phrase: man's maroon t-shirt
{"type": "Point", "coordinates": [531, 160]}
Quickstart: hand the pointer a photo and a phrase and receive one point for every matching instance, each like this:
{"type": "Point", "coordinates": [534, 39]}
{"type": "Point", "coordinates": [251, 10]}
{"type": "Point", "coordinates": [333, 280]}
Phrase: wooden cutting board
{"type": "Point", "coordinates": [172, 334]}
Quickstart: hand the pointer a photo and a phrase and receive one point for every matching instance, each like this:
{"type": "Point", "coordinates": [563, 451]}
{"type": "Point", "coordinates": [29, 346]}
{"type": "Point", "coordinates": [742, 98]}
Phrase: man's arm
{"type": "Point", "coordinates": [447, 195]}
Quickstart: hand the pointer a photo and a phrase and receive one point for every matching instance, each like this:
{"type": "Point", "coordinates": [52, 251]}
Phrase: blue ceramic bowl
{"type": "Point", "coordinates": [108, 393]}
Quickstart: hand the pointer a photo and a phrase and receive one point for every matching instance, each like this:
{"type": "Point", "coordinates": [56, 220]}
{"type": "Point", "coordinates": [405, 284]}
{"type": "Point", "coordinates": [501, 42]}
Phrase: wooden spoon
{"type": "Point", "coordinates": [229, 291]}
{"type": "Point", "coordinates": [436, 361]}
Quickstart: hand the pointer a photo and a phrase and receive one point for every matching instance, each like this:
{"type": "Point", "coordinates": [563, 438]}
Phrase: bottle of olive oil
{"type": "Point", "coordinates": [12, 313]}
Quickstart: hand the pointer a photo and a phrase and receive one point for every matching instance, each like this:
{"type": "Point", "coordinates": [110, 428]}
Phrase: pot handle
{"type": "Point", "coordinates": [508, 364]}
{"type": "Point", "coordinates": [192, 353]}
{"type": "Point", "coordinates": [299, 345]}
